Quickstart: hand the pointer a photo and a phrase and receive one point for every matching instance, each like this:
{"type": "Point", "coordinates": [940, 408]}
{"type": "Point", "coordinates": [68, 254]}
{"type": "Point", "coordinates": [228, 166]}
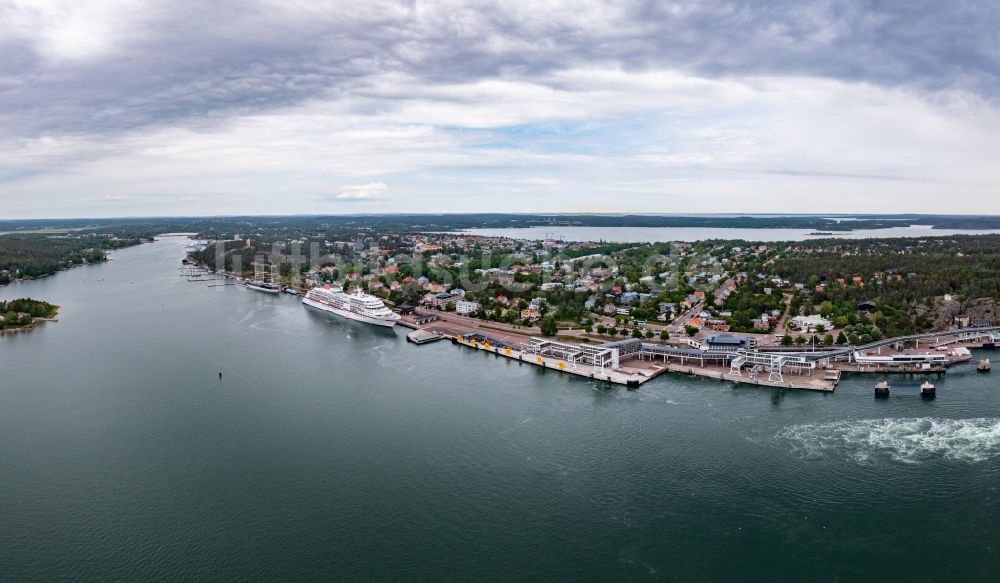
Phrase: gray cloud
{"type": "Point", "coordinates": [196, 63]}
{"type": "Point", "coordinates": [286, 106]}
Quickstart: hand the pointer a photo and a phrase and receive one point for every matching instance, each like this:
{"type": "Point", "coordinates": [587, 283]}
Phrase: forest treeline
{"type": "Point", "coordinates": [35, 255]}
{"type": "Point", "coordinates": [904, 278]}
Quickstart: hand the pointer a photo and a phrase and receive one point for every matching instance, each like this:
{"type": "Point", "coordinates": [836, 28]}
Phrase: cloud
{"type": "Point", "coordinates": [113, 198]}
{"type": "Point", "coordinates": [99, 67]}
{"type": "Point", "coordinates": [369, 191]}
{"type": "Point", "coordinates": [616, 103]}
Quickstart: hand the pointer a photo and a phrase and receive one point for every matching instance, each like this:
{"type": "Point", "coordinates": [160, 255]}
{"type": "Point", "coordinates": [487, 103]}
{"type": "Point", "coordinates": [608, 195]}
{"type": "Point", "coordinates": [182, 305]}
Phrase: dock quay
{"type": "Point", "coordinates": [424, 336]}
{"type": "Point", "coordinates": [630, 362]}
{"type": "Point", "coordinates": [531, 354]}
{"type": "Point", "coordinates": [911, 369]}
{"type": "Point", "coordinates": [633, 362]}
{"type": "Point", "coordinates": [606, 363]}
{"type": "Point", "coordinates": [826, 383]}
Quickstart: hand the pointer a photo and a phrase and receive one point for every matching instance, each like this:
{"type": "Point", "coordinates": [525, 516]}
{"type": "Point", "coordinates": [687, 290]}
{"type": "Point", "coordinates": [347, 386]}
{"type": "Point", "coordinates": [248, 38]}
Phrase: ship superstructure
{"type": "Point", "coordinates": [356, 306]}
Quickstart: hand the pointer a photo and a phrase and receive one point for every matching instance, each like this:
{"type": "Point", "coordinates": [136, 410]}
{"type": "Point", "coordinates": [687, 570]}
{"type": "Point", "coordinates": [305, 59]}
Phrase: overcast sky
{"type": "Point", "coordinates": [126, 107]}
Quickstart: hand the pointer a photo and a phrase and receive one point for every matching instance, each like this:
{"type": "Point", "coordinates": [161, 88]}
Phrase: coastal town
{"type": "Point", "coordinates": [624, 313]}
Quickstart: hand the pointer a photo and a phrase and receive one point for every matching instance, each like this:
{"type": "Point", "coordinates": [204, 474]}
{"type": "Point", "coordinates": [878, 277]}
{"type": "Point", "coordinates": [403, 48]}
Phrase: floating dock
{"type": "Point", "coordinates": [424, 336]}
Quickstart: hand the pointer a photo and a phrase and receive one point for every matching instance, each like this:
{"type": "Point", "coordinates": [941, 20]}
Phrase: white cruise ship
{"type": "Point", "coordinates": [357, 306]}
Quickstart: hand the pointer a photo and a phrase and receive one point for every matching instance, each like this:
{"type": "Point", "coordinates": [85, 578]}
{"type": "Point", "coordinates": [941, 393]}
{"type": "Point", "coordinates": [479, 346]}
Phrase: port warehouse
{"type": "Point", "coordinates": [578, 358]}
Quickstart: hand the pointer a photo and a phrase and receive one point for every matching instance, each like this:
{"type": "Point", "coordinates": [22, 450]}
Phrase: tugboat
{"type": "Point", "coordinates": [882, 389]}
{"type": "Point", "coordinates": [927, 390]}
{"type": "Point", "coordinates": [983, 365]}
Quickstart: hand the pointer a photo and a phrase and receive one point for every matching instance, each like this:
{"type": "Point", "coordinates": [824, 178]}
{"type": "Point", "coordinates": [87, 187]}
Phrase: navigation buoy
{"type": "Point", "coordinates": [220, 373]}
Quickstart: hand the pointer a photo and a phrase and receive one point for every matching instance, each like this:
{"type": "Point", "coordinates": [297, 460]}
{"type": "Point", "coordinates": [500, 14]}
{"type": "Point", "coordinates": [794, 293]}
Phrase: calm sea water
{"type": "Point", "coordinates": [335, 451]}
{"type": "Point", "coordinates": [658, 234]}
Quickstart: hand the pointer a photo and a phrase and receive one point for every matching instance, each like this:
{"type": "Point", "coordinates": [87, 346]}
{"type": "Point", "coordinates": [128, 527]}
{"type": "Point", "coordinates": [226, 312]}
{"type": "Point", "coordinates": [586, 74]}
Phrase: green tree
{"type": "Point", "coordinates": [786, 340]}
{"type": "Point", "coordinates": [664, 335]}
{"type": "Point", "coordinates": [841, 339]}
{"type": "Point", "coordinates": [828, 340]}
{"type": "Point", "coordinates": [690, 329]}
{"type": "Point", "coordinates": [548, 326]}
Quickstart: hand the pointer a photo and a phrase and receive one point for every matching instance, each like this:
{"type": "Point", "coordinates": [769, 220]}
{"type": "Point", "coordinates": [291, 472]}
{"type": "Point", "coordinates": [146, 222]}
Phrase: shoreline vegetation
{"type": "Point", "coordinates": [212, 227]}
{"type": "Point", "coordinates": [843, 290]}
{"type": "Point", "coordinates": [28, 256]}
{"type": "Point", "coordinates": [23, 314]}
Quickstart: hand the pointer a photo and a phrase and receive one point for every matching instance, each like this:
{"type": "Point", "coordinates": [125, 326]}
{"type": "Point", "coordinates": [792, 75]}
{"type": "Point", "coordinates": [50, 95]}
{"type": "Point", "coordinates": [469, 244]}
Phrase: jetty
{"type": "Point", "coordinates": [424, 336]}
{"type": "Point", "coordinates": [633, 361]}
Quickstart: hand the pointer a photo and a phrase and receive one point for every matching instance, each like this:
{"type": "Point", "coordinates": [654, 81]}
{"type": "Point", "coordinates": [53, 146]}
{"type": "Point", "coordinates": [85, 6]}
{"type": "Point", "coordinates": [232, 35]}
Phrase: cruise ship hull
{"type": "Point", "coordinates": [350, 315]}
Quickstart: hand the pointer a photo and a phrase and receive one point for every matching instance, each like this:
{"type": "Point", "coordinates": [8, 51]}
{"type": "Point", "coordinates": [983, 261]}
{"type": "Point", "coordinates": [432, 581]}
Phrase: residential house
{"type": "Point", "coordinates": [443, 299]}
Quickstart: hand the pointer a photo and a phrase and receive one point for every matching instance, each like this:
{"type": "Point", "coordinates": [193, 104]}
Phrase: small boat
{"type": "Point", "coordinates": [882, 389]}
{"type": "Point", "coordinates": [927, 389]}
{"type": "Point", "coordinates": [983, 365]}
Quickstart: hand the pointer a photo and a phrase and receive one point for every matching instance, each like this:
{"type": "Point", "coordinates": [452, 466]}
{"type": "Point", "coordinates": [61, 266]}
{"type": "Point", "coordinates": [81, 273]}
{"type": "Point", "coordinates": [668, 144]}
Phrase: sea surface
{"type": "Point", "coordinates": [335, 451]}
{"type": "Point", "coordinates": [662, 234]}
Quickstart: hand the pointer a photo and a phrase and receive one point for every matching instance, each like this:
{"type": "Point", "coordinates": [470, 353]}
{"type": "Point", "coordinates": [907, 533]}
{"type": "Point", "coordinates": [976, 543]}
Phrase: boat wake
{"type": "Point", "coordinates": [904, 440]}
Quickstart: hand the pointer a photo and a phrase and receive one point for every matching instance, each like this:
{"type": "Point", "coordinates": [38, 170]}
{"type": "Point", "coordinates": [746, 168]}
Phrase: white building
{"type": "Point", "coordinates": [465, 307]}
{"type": "Point", "coordinates": [809, 323]}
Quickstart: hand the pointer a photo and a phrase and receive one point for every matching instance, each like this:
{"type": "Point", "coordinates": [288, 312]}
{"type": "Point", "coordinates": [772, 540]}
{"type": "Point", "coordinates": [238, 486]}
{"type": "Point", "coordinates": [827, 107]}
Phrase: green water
{"type": "Point", "coordinates": [335, 451]}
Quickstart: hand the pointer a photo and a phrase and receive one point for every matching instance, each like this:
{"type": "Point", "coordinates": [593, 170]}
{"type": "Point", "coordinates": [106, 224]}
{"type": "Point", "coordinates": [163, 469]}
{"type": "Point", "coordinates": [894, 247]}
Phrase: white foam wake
{"type": "Point", "coordinates": [904, 440]}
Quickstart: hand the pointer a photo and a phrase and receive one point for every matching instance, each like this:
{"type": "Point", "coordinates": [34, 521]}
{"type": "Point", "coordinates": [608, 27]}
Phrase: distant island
{"type": "Point", "coordinates": [23, 313]}
{"type": "Point", "coordinates": [335, 225]}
